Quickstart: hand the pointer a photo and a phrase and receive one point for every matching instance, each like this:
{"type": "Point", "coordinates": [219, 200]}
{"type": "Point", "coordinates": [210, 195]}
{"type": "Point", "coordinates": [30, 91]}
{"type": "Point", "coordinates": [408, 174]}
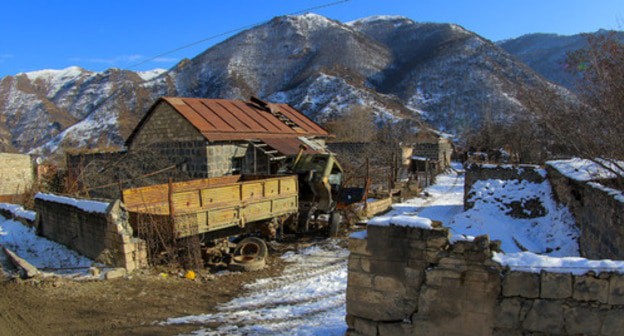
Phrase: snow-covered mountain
{"type": "Point", "coordinates": [438, 73]}
{"type": "Point", "coordinates": [546, 53]}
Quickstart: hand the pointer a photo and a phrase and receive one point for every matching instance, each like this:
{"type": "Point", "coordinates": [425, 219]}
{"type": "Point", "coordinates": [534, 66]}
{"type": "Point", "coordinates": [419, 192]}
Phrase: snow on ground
{"type": "Point", "coordinates": [307, 299]}
{"type": "Point", "coordinates": [444, 200]}
{"type": "Point", "coordinates": [553, 233]}
{"type": "Point", "coordinates": [44, 254]}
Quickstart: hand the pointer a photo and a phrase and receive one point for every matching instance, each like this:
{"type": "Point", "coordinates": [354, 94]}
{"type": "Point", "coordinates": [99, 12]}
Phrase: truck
{"type": "Point", "coordinates": [304, 197]}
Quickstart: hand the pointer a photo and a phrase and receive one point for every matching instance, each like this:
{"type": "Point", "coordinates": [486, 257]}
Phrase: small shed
{"type": "Point", "coordinates": [217, 137]}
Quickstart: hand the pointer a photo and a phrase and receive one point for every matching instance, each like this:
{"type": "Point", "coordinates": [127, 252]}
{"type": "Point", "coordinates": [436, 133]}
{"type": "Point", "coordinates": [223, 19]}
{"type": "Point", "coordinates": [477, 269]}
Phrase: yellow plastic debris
{"type": "Point", "coordinates": [190, 275]}
{"type": "Point", "coordinates": [163, 275]}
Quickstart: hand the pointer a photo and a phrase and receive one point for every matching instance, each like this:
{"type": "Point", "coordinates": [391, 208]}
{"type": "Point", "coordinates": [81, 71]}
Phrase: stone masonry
{"type": "Point", "coordinates": [598, 215]}
{"type": "Point", "coordinates": [16, 174]}
{"type": "Point", "coordinates": [413, 281]}
{"type": "Point", "coordinates": [105, 237]}
{"type": "Point", "coordinates": [479, 172]}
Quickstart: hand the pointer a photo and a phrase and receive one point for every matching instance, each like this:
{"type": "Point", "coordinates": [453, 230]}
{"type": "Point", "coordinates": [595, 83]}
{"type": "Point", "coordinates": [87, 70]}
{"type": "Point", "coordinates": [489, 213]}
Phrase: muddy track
{"type": "Point", "coordinates": [310, 290]}
{"type": "Point", "coordinates": [14, 317]}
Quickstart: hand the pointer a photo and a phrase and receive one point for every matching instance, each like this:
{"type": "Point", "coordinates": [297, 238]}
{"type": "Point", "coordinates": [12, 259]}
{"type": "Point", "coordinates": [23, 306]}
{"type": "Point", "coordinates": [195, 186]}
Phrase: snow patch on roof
{"type": "Point", "coordinates": [587, 170]}
{"type": "Point", "coordinates": [535, 263]}
{"type": "Point", "coordinates": [85, 205]}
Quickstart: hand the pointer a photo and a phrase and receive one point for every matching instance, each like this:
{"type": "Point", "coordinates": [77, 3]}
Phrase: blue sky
{"type": "Point", "coordinates": [97, 35]}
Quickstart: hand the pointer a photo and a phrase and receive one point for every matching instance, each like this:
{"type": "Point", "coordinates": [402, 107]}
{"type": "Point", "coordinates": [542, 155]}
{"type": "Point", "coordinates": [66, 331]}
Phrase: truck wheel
{"type": "Point", "coordinates": [335, 226]}
{"type": "Point", "coordinates": [249, 255]}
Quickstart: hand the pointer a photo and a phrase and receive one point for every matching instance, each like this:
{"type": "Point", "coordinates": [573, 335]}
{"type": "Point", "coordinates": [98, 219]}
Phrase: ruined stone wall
{"type": "Point", "coordinates": [16, 174]}
{"type": "Point", "coordinates": [481, 172]}
{"type": "Point", "coordinates": [103, 236]}
{"type": "Point", "coordinates": [599, 216]}
{"type": "Point", "coordinates": [412, 281]}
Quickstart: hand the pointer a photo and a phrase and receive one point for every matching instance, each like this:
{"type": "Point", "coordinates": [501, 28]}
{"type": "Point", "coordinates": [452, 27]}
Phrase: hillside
{"type": "Point", "coordinates": [441, 74]}
{"type": "Point", "coordinates": [546, 53]}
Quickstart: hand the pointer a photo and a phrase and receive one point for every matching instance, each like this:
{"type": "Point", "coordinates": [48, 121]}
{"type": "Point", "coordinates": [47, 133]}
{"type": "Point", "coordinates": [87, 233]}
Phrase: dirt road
{"type": "Point", "coordinates": [54, 306]}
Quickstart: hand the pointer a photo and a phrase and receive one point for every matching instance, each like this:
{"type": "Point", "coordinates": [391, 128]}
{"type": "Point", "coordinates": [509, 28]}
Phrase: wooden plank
{"type": "Point", "coordinates": [186, 201]}
{"type": "Point", "coordinates": [257, 211]}
{"type": "Point", "coordinates": [271, 188]}
{"type": "Point", "coordinates": [283, 205]}
{"type": "Point", "coordinates": [251, 190]}
{"type": "Point", "coordinates": [26, 269]}
{"type": "Point", "coordinates": [288, 186]}
{"type": "Point", "coordinates": [221, 217]}
{"type": "Point", "coordinates": [221, 195]}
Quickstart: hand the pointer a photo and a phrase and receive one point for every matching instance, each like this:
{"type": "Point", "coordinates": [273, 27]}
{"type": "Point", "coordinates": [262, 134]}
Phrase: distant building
{"type": "Point", "coordinates": [431, 151]}
{"type": "Point", "coordinates": [216, 137]}
{"type": "Point", "coordinates": [16, 175]}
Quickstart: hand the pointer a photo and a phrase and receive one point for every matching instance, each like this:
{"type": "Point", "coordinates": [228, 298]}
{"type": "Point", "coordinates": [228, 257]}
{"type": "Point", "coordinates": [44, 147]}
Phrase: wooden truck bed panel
{"type": "Point", "coordinates": [206, 205]}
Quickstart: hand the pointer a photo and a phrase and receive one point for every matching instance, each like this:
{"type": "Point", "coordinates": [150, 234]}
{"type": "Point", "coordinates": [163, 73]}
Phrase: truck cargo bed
{"type": "Point", "coordinates": [206, 205]}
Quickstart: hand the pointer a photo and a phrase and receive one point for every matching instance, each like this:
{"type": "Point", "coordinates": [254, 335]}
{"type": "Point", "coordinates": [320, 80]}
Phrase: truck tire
{"type": "Point", "coordinates": [249, 255]}
{"type": "Point", "coordinates": [335, 224]}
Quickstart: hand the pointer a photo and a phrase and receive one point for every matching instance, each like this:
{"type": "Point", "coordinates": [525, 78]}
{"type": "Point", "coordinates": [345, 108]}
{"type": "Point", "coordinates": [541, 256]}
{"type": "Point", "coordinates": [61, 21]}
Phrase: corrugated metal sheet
{"type": "Point", "coordinates": [220, 119]}
{"type": "Point", "coordinates": [287, 146]}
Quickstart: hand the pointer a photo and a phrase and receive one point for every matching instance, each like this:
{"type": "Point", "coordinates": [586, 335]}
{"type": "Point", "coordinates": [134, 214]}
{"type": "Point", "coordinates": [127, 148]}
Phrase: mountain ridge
{"type": "Point", "coordinates": [441, 74]}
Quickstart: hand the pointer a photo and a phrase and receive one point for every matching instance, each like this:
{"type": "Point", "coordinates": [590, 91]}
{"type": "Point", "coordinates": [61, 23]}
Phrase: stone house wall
{"type": "Point", "coordinates": [412, 281]}
{"type": "Point", "coordinates": [103, 236]}
{"type": "Point", "coordinates": [437, 149]}
{"type": "Point", "coordinates": [481, 172]}
{"type": "Point", "coordinates": [180, 143]}
{"type": "Point", "coordinates": [599, 216]}
{"type": "Point", "coordinates": [16, 174]}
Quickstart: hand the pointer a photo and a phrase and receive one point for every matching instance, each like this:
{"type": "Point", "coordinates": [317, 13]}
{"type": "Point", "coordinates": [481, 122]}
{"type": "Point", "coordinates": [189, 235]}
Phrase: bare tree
{"type": "Point", "coordinates": [593, 127]}
{"type": "Point", "coordinates": [356, 125]}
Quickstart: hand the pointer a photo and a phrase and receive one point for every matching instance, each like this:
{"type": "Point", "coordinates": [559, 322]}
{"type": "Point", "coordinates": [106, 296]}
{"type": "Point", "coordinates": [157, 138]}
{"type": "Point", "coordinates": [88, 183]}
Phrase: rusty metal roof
{"type": "Point", "coordinates": [287, 146]}
{"type": "Point", "coordinates": [221, 119]}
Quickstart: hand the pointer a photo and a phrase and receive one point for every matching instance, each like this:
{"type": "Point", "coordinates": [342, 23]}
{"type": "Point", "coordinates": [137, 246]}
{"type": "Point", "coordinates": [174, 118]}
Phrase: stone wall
{"type": "Point", "coordinates": [16, 174]}
{"type": "Point", "coordinates": [599, 216]}
{"type": "Point", "coordinates": [412, 281]}
{"type": "Point", "coordinates": [481, 172]}
{"type": "Point", "coordinates": [103, 236]}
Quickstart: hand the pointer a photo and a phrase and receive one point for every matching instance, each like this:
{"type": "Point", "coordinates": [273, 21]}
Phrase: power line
{"type": "Point", "coordinates": [330, 4]}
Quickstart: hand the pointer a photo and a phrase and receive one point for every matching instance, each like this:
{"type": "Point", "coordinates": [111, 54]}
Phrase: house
{"type": "Point", "coordinates": [431, 150]}
{"type": "Point", "coordinates": [216, 137]}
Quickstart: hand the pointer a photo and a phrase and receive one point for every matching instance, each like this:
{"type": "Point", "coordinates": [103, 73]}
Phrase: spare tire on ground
{"type": "Point", "coordinates": [249, 255]}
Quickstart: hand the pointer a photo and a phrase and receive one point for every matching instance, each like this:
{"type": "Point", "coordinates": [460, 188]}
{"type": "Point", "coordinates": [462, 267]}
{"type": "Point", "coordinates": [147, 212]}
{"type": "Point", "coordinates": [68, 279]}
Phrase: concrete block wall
{"type": "Point", "coordinates": [16, 174]}
{"type": "Point", "coordinates": [412, 281]}
{"type": "Point", "coordinates": [599, 216]}
{"type": "Point", "coordinates": [103, 236]}
{"type": "Point", "coordinates": [221, 154]}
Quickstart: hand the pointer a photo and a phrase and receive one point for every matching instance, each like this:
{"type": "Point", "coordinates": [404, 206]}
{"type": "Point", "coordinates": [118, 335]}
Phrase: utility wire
{"type": "Point", "coordinates": [330, 4]}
